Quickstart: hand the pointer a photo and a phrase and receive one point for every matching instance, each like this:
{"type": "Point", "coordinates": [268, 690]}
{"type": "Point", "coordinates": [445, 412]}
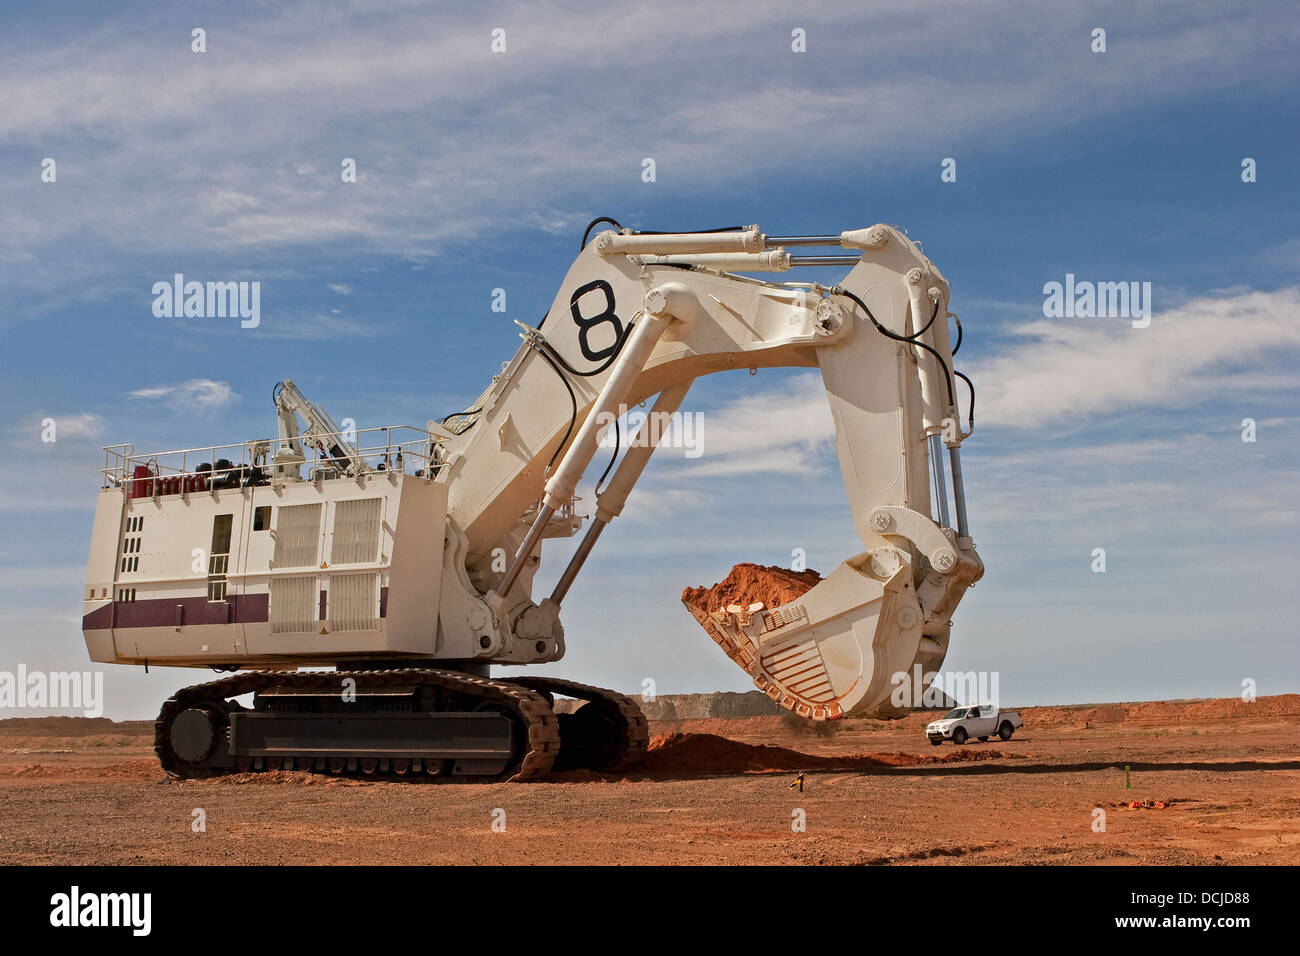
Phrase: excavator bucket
{"type": "Point", "coordinates": [846, 647]}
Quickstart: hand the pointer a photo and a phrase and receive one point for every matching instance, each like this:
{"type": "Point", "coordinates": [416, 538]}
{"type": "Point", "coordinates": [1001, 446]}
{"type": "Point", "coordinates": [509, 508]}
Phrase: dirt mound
{"type": "Point", "coordinates": [28, 770]}
{"type": "Point", "coordinates": [296, 778]}
{"type": "Point", "coordinates": [1163, 712]}
{"type": "Point", "coordinates": [146, 768]}
{"type": "Point", "coordinates": [748, 583]}
{"type": "Point", "coordinates": [74, 726]}
{"type": "Point", "coordinates": [675, 755]}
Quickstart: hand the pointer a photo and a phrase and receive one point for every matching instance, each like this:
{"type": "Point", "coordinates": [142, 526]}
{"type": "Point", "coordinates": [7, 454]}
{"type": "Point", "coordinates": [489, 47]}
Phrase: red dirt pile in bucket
{"type": "Point", "coordinates": [748, 583]}
{"type": "Point", "coordinates": [676, 755]}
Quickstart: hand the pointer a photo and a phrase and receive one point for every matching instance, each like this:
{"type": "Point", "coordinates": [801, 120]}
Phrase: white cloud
{"type": "Point", "coordinates": [84, 425]}
{"type": "Point", "coordinates": [340, 287]}
{"type": "Point", "coordinates": [787, 430]}
{"type": "Point", "coordinates": [436, 122]}
{"type": "Point", "coordinates": [1226, 347]}
{"type": "Point", "coordinates": [200, 392]}
{"type": "Point", "coordinates": [317, 325]}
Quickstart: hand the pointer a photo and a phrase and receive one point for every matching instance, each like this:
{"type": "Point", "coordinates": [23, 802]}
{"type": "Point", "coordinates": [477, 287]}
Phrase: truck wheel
{"type": "Point", "coordinates": [984, 739]}
{"type": "Point", "coordinates": [959, 736]}
{"type": "Point", "coordinates": [1005, 731]}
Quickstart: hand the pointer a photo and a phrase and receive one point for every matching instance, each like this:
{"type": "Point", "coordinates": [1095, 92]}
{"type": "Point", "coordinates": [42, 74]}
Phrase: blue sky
{"type": "Point", "coordinates": [478, 170]}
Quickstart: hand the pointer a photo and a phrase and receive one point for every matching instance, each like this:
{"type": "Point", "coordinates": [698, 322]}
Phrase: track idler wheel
{"type": "Point", "coordinates": [196, 732]}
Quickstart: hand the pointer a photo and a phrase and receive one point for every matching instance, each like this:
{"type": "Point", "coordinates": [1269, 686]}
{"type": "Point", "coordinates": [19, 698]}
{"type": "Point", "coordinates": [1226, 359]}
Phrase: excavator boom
{"type": "Point", "coordinates": [645, 315]}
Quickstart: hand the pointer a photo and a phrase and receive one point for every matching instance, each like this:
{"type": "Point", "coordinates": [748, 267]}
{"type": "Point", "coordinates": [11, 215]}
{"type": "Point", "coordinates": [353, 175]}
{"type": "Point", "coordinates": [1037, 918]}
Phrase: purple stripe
{"type": "Point", "coordinates": [162, 612]}
{"type": "Point", "coordinates": [383, 602]}
{"type": "Point", "coordinates": [100, 619]}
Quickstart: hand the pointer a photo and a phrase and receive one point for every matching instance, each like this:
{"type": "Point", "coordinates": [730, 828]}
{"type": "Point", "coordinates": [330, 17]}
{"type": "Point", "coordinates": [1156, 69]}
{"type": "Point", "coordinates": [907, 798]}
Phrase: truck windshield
{"type": "Point", "coordinates": [953, 714]}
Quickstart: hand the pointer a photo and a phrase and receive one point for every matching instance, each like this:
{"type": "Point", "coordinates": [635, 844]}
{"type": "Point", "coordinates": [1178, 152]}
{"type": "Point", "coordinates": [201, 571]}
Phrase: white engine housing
{"type": "Point", "coordinates": [329, 570]}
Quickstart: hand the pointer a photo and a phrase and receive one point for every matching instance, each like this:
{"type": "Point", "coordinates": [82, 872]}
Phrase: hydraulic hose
{"type": "Point", "coordinates": [947, 376]}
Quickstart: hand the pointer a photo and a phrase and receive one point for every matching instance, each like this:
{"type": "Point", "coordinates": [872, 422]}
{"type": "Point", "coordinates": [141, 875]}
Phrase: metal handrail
{"type": "Point", "coordinates": [120, 460]}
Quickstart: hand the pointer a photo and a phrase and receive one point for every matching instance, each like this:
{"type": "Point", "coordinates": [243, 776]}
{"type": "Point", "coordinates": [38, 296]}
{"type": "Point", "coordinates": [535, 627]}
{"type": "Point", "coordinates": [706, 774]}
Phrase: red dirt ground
{"type": "Point", "coordinates": [679, 756]}
{"type": "Point", "coordinates": [710, 791]}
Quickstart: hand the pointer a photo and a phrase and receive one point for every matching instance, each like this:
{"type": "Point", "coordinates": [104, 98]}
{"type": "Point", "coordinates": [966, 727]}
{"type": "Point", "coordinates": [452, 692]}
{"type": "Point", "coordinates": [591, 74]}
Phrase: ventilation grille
{"type": "Point", "coordinates": [297, 536]}
{"type": "Point", "coordinates": [356, 531]}
{"type": "Point", "coordinates": [354, 602]}
{"type": "Point", "coordinates": [292, 607]}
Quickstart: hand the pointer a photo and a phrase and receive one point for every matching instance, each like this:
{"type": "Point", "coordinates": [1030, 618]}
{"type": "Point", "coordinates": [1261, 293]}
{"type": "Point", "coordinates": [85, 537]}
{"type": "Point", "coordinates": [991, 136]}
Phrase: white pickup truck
{"type": "Point", "coordinates": [963, 723]}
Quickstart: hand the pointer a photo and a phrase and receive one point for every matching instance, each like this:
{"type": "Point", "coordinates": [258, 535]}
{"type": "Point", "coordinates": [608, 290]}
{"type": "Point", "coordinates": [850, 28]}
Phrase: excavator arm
{"type": "Point", "coordinates": [642, 315]}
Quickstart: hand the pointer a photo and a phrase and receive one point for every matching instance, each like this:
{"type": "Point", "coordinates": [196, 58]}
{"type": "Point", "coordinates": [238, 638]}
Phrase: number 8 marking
{"type": "Point", "coordinates": [587, 323]}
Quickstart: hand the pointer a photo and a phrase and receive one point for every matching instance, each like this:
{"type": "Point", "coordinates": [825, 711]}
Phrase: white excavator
{"type": "Point", "coordinates": [404, 557]}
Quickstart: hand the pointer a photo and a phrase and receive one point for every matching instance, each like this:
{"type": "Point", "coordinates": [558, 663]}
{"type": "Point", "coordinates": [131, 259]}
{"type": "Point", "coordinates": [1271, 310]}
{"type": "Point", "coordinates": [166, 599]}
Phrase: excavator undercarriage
{"type": "Point", "coordinates": [397, 722]}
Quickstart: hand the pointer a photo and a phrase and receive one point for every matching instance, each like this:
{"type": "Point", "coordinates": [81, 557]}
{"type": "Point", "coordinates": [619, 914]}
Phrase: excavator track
{"type": "Point", "coordinates": [531, 711]}
{"type": "Point", "coordinates": [621, 713]}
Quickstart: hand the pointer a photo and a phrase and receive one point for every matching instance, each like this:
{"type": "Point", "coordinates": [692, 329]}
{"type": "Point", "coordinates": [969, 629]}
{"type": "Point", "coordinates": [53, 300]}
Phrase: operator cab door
{"type": "Point", "coordinates": [226, 533]}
